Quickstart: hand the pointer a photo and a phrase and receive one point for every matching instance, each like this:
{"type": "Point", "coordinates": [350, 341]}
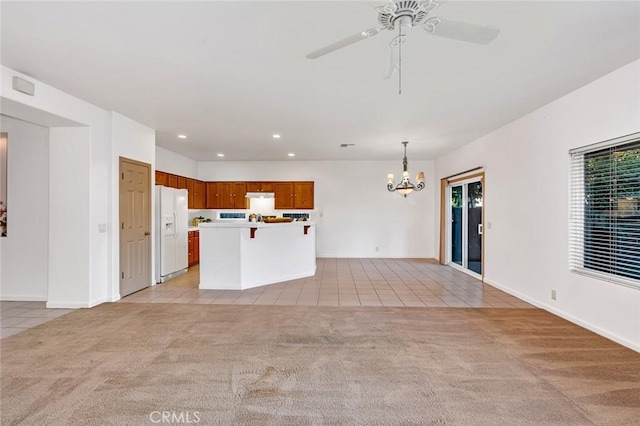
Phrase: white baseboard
{"type": "Point", "coordinates": [22, 298]}
{"type": "Point", "coordinates": [337, 256]}
{"type": "Point", "coordinates": [98, 302]}
{"type": "Point", "coordinates": [564, 315]}
{"type": "Point", "coordinates": [67, 305]}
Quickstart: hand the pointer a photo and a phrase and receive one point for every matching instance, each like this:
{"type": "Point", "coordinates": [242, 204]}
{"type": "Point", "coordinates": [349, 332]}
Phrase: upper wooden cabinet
{"type": "Point", "coordinates": [294, 195]}
{"type": "Point", "coordinates": [232, 195]}
{"type": "Point", "coordinates": [172, 181]}
{"type": "Point", "coordinates": [227, 195]}
{"type": "Point", "coordinates": [212, 195]}
{"type": "Point", "coordinates": [284, 195]}
{"type": "Point", "coordinates": [240, 200]}
{"type": "Point", "coordinates": [303, 195]}
{"type": "Point", "coordinates": [196, 194]}
{"type": "Point", "coordinates": [161, 178]}
{"type": "Point", "coordinates": [260, 187]}
{"type": "Point", "coordinates": [199, 195]}
{"type": "Point", "coordinates": [181, 182]}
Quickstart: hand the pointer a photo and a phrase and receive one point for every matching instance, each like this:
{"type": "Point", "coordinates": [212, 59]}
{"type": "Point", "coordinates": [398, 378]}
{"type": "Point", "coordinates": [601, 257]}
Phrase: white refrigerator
{"type": "Point", "coordinates": [172, 252]}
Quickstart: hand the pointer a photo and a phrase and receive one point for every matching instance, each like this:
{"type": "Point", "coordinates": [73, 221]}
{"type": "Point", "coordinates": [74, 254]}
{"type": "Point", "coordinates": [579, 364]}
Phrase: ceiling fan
{"type": "Point", "coordinates": [404, 15]}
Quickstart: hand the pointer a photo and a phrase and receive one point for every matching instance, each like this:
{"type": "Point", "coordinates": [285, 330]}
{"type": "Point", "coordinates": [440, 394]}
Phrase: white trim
{"type": "Point", "coordinates": [604, 144]}
{"type": "Point", "coordinates": [98, 302]}
{"type": "Point", "coordinates": [338, 256]}
{"type": "Point", "coordinates": [67, 305]}
{"type": "Point", "coordinates": [22, 298]}
{"type": "Point", "coordinates": [115, 297]}
{"type": "Point", "coordinates": [568, 317]}
{"type": "Point", "coordinates": [466, 271]}
{"type": "Point", "coordinates": [614, 279]}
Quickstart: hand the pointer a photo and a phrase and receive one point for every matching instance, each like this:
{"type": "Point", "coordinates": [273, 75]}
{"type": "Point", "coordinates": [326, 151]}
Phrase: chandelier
{"type": "Point", "coordinates": [405, 186]}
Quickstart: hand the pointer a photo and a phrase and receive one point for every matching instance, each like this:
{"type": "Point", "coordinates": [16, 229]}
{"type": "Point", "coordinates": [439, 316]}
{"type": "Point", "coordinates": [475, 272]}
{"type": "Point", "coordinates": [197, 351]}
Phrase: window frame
{"type": "Point", "coordinates": [577, 225]}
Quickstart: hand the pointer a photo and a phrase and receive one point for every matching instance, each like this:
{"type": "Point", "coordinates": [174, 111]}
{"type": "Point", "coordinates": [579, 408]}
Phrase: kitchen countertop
{"type": "Point", "coordinates": [247, 224]}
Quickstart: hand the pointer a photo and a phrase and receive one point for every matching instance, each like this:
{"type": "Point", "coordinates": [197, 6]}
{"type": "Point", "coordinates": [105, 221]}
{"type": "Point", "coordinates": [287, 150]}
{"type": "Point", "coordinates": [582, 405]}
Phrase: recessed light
{"type": "Point", "coordinates": [276, 136]}
{"type": "Point", "coordinates": [220, 155]}
{"type": "Point", "coordinates": [291, 154]}
{"type": "Point", "coordinates": [182, 136]}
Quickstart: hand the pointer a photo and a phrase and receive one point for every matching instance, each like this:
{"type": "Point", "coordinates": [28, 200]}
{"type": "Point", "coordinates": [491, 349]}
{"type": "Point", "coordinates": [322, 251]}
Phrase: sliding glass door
{"type": "Point", "coordinates": [465, 230]}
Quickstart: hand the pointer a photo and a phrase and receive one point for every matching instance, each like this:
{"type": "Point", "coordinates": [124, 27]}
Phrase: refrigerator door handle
{"type": "Point", "coordinates": [175, 225]}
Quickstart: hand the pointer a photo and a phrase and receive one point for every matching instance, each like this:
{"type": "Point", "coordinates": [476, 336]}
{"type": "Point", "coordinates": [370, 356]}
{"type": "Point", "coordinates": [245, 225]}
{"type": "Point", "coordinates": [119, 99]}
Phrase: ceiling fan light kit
{"type": "Point", "coordinates": [404, 15]}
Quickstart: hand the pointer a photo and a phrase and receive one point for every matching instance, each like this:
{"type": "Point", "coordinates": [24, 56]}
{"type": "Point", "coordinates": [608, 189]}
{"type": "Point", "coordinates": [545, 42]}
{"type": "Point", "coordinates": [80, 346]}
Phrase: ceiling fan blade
{"type": "Point", "coordinates": [481, 34]}
{"type": "Point", "coordinates": [344, 42]}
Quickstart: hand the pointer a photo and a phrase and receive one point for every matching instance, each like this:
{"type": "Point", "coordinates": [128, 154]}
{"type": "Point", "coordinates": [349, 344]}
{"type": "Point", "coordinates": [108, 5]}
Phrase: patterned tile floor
{"type": "Point", "coordinates": [18, 316]}
{"type": "Point", "coordinates": [347, 282]}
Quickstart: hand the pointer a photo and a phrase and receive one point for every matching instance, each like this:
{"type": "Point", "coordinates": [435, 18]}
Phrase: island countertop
{"type": "Point", "coordinates": [246, 224]}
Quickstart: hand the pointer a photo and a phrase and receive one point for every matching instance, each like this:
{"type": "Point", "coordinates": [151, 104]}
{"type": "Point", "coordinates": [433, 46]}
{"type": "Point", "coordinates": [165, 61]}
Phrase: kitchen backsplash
{"type": "Point", "coordinates": [239, 214]}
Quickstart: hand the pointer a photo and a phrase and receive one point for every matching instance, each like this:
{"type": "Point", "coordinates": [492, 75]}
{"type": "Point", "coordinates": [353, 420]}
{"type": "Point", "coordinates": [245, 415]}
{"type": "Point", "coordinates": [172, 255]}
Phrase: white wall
{"type": "Point", "coordinates": [70, 244]}
{"type": "Point", "coordinates": [170, 162]}
{"type": "Point", "coordinates": [137, 142]}
{"type": "Point", "coordinates": [25, 257]}
{"type": "Point", "coordinates": [82, 182]}
{"type": "Point", "coordinates": [527, 178]}
{"type": "Point", "coordinates": [351, 199]}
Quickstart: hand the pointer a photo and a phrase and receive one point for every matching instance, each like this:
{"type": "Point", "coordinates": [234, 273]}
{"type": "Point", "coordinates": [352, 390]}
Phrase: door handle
{"type": "Point", "coordinates": [479, 229]}
{"type": "Point", "coordinates": [175, 225]}
{"type": "Point", "coordinates": [147, 233]}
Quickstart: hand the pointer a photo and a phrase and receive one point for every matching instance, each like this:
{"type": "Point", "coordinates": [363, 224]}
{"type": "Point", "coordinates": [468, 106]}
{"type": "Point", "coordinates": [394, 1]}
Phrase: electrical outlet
{"type": "Point", "coordinates": [553, 295]}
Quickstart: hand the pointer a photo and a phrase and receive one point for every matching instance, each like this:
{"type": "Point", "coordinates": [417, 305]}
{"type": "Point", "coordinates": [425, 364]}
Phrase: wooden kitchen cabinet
{"type": "Point", "coordinates": [260, 186]}
{"type": "Point", "coordinates": [194, 247]}
{"type": "Point", "coordinates": [240, 200]}
{"type": "Point", "coordinates": [199, 195]}
{"type": "Point", "coordinates": [161, 178]}
{"type": "Point", "coordinates": [212, 195]}
{"type": "Point", "coordinates": [303, 195]}
{"type": "Point", "coordinates": [283, 195]}
{"type": "Point", "coordinates": [190, 190]}
{"type": "Point", "coordinates": [227, 195]}
{"type": "Point", "coordinates": [172, 181]}
{"type": "Point", "coordinates": [294, 195]}
{"type": "Point", "coordinates": [181, 182]}
{"type": "Point", "coordinates": [190, 247]}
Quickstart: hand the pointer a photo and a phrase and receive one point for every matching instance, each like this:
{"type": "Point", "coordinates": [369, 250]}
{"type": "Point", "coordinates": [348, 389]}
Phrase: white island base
{"type": "Point", "coordinates": [242, 255]}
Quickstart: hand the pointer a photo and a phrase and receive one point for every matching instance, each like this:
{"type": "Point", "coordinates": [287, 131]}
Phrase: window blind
{"type": "Point", "coordinates": [604, 225]}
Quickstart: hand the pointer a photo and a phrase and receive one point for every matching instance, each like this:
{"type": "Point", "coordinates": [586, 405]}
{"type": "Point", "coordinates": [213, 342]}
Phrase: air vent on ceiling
{"type": "Point", "coordinates": [347, 145]}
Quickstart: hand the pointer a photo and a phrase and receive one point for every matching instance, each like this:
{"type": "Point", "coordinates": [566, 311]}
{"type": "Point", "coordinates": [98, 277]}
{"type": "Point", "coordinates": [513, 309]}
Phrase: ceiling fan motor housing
{"type": "Point", "coordinates": [390, 14]}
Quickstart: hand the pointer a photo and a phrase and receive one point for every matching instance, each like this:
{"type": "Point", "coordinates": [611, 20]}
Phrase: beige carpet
{"type": "Point", "coordinates": [126, 363]}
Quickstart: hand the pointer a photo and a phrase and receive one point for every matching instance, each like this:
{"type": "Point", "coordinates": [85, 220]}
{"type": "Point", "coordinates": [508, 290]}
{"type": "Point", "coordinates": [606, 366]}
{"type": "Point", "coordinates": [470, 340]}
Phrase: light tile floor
{"type": "Point", "coordinates": [347, 282]}
{"type": "Point", "coordinates": [19, 316]}
{"type": "Point", "coordinates": [337, 282]}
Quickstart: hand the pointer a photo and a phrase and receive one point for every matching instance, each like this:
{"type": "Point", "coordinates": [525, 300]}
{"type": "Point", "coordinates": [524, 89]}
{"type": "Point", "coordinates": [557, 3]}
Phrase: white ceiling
{"type": "Point", "coordinates": [230, 74]}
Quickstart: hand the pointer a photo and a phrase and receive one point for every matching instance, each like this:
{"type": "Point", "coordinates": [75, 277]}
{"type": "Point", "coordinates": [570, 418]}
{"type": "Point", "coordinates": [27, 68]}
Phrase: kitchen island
{"type": "Point", "coordinates": [242, 255]}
